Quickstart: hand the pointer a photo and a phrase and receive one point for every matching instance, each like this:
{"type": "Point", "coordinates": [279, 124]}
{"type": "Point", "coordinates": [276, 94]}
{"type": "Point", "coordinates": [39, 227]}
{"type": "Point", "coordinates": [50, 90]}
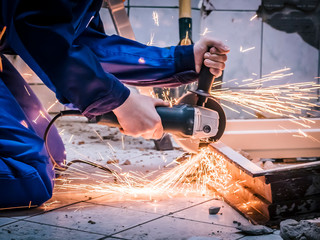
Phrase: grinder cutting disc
{"type": "Point", "coordinates": [192, 144]}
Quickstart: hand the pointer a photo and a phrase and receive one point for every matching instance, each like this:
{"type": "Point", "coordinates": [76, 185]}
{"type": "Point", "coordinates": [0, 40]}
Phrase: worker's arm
{"type": "Point", "coordinates": [43, 34]}
{"type": "Point", "coordinates": [137, 64]}
{"type": "Point", "coordinates": [141, 65]}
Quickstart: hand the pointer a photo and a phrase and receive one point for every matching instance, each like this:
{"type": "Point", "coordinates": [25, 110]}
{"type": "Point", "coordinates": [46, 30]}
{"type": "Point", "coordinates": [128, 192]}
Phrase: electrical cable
{"type": "Point", "coordinates": [45, 138]}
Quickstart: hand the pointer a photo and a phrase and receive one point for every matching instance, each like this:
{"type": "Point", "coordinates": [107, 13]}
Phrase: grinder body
{"type": "Point", "coordinates": [195, 121]}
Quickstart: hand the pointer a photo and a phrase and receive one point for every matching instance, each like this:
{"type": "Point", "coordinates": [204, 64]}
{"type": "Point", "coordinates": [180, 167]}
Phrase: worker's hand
{"type": "Point", "coordinates": [214, 59]}
{"type": "Point", "coordinates": [138, 116]}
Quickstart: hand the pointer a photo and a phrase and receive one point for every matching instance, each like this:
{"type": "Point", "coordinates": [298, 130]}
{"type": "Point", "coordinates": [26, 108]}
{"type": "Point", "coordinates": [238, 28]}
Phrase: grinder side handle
{"type": "Point", "coordinates": [206, 79]}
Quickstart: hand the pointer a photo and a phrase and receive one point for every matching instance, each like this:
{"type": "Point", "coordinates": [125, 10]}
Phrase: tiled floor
{"type": "Point", "coordinates": [90, 214]}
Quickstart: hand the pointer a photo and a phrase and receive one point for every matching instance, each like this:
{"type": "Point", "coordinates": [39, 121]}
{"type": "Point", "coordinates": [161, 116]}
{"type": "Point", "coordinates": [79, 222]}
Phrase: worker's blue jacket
{"type": "Point", "coordinates": [64, 43]}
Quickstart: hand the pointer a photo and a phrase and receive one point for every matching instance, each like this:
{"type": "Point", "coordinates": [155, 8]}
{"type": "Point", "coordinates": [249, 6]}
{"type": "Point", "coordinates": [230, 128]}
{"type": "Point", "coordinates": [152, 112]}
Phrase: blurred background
{"type": "Point", "coordinates": [264, 37]}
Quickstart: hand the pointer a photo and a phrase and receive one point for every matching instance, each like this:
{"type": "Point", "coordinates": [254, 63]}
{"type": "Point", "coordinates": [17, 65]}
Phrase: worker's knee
{"type": "Point", "coordinates": [23, 185]}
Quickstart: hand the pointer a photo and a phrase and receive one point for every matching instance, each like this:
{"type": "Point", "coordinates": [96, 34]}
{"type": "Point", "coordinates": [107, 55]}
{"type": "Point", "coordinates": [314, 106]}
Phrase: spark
{"type": "Point", "coordinates": [246, 50]}
{"type": "Point", "coordinates": [1, 35]}
{"type": "Point", "coordinates": [44, 116]}
{"type": "Point", "coordinates": [100, 155]}
{"type": "Point", "coordinates": [18, 207]}
{"type": "Point", "coordinates": [141, 60]}
{"type": "Point", "coordinates": [27, 74]}
{"type": "Point", "coordinates": [186, 40]}
{"type": "Point", "coordinates": [150, 43]}
{"type": "Point", "coordinates": [52, 105]}
{"type": "Point", "coordinates": [40, 114]}
{"type": "Point", "coordinates": [122, 141]}
{"type": "Point", "coordinates": [70, 139]}
{"type": "Point", "coordinates": [2, 32]}
{"type": "Point", "coordinates": [46, 205]}
{"type": "Point", "coordinates": [205, 32]}
{"type": "Point", "coordinates": [24, 123]}
{"type": "Point", "coordinates": [25, 87]}
{"type": "Point", "coordinates": [255, 16]}
{"type": "Point", "coordinates": [155, 18]}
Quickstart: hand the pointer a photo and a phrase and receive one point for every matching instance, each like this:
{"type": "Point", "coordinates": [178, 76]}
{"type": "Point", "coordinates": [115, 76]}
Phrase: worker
{"type": "Point", "coordinates": [64, 43]}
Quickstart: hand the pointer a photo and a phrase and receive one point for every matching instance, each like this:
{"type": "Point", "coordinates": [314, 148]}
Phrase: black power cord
{"type": "Point", "coordinates": [45, 138]}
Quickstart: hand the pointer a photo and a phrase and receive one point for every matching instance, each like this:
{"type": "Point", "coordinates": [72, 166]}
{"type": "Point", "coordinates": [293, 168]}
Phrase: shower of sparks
{"type": "Point", "coordinates": [246, 50]}
{"type": "Point", "coordinates": [155, 18]}
{"type": "Point", "coordinates": [167, 98]}
{"type": "Point", "coordinates": [196, 174]}
{"type": "Point", "coordinates": [254, 17]}
{"type": "Point", "coordinates": [289, 100]}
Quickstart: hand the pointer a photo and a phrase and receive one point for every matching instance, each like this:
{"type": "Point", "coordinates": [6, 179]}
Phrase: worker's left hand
{"type": "Point", "coordinates": [214, 59]}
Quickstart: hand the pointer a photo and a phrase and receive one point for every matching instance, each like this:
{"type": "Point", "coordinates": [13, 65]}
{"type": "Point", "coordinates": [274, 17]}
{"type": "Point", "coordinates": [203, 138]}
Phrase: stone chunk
{"type": "Point", "coordinates": [304, 230]}
{"type": "Point", "coordinates": [255, 229]}
{"type": "Point", "coordinates": [214, 210]}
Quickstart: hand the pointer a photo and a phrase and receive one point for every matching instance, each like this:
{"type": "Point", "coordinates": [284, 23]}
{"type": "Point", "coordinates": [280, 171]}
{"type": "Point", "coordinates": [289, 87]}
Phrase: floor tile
{"type": "Point", "coordinates": [226, 216]}
{"type": "Point", "coordinates": [173, 228]}
{"type": "Point", "coordinates": [33, 231]}
{"type": "Point", "coordinates": [94, 218]}
{"type": "Point", "coordinates": [4, 220]}
{"type": "Point", "coordinates": [163, 206]}
{"type": "Point", "coordinates": [59, 199]}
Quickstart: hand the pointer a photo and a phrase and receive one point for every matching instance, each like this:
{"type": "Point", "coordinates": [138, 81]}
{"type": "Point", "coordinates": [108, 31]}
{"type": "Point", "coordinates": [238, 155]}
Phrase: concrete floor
{"type": "Point", "coordinates": [91, 213]}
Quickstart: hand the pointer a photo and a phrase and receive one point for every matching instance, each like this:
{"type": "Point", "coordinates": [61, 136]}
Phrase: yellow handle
{"type": "Point", "coordinates": [184, 8]}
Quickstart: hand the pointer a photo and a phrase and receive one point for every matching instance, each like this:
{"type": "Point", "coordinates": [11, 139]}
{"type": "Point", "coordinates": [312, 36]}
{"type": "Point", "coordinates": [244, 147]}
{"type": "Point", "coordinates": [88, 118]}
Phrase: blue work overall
{"type": "Point", "coordinates": [64, 43]}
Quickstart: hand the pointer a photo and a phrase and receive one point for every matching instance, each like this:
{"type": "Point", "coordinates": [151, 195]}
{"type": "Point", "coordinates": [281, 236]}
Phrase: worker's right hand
{"type": "Point", "coordinates": [138, 116]}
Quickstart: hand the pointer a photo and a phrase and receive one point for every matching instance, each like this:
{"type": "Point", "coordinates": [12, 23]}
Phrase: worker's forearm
{"type": "Point", "coordinates": [140, 65]}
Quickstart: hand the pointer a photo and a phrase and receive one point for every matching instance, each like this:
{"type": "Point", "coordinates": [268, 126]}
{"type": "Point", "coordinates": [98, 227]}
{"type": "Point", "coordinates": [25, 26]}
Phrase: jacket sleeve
{"type": "Point", "coordinates": [137, 64]}
{"type": "Point", "coordinates": [43, 34]}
